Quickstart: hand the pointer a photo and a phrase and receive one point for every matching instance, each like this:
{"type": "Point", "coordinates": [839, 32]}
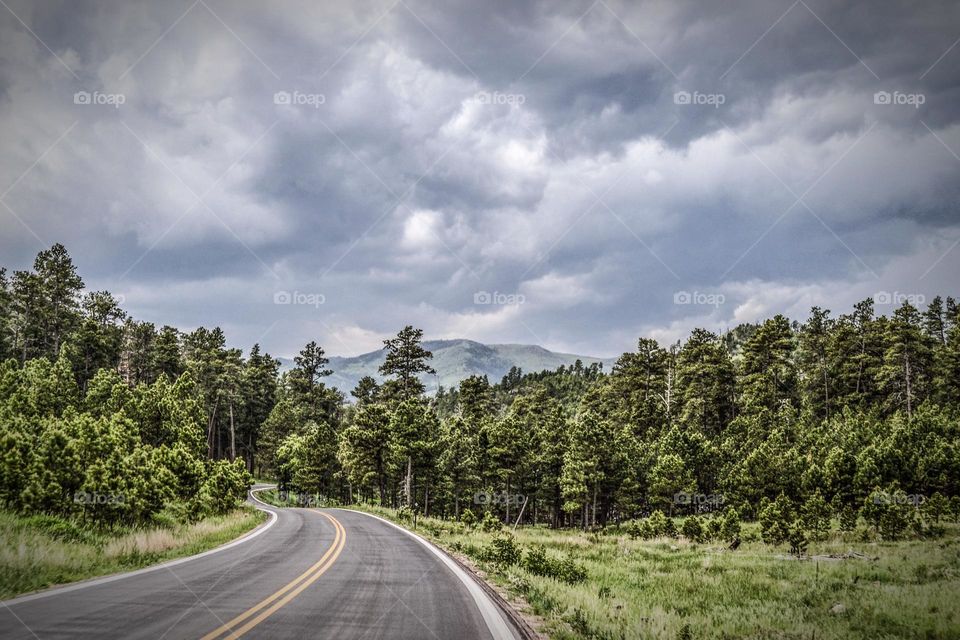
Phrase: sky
{"type": "Point", "coordinates": [570, 174]}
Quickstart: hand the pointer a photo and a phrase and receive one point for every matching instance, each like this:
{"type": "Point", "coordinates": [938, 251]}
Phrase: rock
{"type": "Point", "coordinates": [838, 608]}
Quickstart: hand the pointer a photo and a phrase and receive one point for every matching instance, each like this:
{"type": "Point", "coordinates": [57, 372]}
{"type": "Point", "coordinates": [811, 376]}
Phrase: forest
{"type": "Point", "coordinates": [852, 417]}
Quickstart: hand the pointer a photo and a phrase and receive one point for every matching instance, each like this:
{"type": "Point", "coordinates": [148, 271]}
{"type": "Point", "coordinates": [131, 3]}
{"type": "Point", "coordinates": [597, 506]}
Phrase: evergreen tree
{"type": "Point", "coordinates": [406, 359]}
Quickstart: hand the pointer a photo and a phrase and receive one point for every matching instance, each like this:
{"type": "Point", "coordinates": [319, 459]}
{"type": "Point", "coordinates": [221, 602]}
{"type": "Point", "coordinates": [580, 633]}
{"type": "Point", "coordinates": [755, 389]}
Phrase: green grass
{"type": "Point", "coordinates": [671, 588]}
{"type": "Point", "coordinates": [40, 551]}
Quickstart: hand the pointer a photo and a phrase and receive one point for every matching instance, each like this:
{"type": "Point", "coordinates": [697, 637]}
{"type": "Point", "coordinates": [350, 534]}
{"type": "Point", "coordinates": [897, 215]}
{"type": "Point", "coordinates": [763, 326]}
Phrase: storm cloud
{"type": "Point", "coordinates": [333, 171]}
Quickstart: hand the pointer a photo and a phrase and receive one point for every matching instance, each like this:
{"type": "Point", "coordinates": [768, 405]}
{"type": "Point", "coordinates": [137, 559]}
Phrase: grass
{"type": "Point", "coordinates": [672, 588]}
{"type": "Point", "coordinates": [41, 551]}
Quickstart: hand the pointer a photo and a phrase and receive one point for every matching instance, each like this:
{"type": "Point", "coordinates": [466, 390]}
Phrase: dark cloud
{"type": "Point", "coordinates": [433, 151]}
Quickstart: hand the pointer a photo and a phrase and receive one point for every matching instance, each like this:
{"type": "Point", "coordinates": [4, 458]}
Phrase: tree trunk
{"type": "Point", "coordinates": [508, 500]}
{"type": "Point", "coordinates": [210, 423]}
{"type": "Point", "coordinates": [906, 359]}
{"type": "Point", "coordinates": [594, 505]}
{"type": "Point", "coordinates": [233, 437]}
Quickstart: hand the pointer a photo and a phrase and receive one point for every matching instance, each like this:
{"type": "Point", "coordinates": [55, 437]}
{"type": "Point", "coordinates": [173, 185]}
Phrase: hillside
{"type": "Point", "coordinates": [455, 360]}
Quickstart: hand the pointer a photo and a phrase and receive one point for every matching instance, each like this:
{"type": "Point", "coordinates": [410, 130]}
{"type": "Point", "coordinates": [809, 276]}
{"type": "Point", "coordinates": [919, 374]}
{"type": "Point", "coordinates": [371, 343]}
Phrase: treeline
{"type": "Point", "coordinates": [108, 419]}
{"type": "Point", "coordinates": [777, 417]}
{"type": "Point", "coordinates": [763, 419]}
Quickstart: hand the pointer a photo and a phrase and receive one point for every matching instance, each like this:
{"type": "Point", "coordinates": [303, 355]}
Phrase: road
{"type": "Point", "coordinates": [306, 573]}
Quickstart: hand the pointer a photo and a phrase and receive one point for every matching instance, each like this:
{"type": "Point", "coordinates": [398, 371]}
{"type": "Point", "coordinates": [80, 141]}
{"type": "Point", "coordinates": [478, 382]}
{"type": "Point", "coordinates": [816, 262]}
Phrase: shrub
{"type": "Point", "coordinates": [798, 538]}
{"type": "Point", "coordinates": [503, 550]}
{"type": "Point", "coordinates": [713, 528]}
{"type": "Point", "coordinates": [816, 515]}
{"type": "Point", "coordinates": [58, 528]}
{"type": "Point", "coordinates": [537, 562]}
{"type": "Point", "coordinates": [894, 521]}
{"type": "Point", "coordinates": [571, 572]}
{"type": "Point", "coordinates": [490, 523]}
{"type": "Point", "coordinates": [657, 523]}
{"type": "Point", "coordinates": [692, 529]}
{"type": "Point", "coordinates": [848, 518]}
{"type": "Point", "coordinates": [225, 486]}
{"type": "Point", "coordinates": [670, 528]}
{"type": "Point", "coordinates": [639, 529]}
{"type": "Point", "coordinates": [468, 518]}
{"type": "Point", "coordinates": [775, 519]}
{"type": "Point", "coordinates": [936, 507]}
{"type": "Point", "coordinates": [730, 528]}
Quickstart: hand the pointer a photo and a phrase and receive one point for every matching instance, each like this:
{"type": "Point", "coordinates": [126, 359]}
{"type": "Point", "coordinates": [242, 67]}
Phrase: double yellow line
{"type": "Point", "coordinates": [264, 609]}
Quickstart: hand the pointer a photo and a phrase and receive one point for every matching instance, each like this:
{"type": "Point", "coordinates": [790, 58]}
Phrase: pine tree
{"type": "Point", "coordinates": [814, 362]}
{"type": "Point", "coordinates": [904, 376]}
{"type": "Point", "coordinates": [406, 359]}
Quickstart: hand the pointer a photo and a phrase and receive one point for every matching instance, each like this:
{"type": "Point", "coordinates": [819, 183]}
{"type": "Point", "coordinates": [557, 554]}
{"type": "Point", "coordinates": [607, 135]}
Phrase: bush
{"type": "Point", "coordinates": [713, 528]}
{"type": "Point", "coordinates": [503, 550]}
{"type": "Point", "coordinates": [490, 523]}
{"type": "Point", "coordinates": [639, 529]}
{"type": "Point", "coordinates": [730, 528]}
{"type": "Point", "coordinates": [936, 507]}
{"type": "Point", "coordinates": [657, 523]}
{"type": "Point", "coordinates": [894, 521]}
{"type": "Point", "coordinates": [692, 529]}
{"type": "Point", "coordinates": [955, 508]}
{"type": "Point", "coordinates": [775, 519]}
{"type": "Point", "coordinates": [571, 572]}
{"type": "Point", "coordinates": [848, 518]}
{"type": "Point", "coordinates": [798, 538]}
{"type": "Point", "coordinates": [670, 528]}
{"type": "Point", "coordinates": [58, 528]}
{"type": "Point", "coordinates": [816, 515]}
{"type": "Point", "coordinates": [225, 486]}
{"type": "Point", "coordinates": [537, 562]}
{"type": "Point", "coordinates": [468, 518]}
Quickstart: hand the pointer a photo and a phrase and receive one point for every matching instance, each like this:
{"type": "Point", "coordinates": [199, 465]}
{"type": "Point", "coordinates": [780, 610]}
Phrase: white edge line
{"type": "Point", "coordinates": [55, 591]}
{"type": "Point", "coordinates": [488, 609]}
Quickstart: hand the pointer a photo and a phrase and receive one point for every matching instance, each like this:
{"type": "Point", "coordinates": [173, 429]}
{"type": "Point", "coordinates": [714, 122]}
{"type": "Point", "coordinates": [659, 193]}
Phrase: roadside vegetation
{"type": "Point", "coordinates": [41, 551]}
{"type": "Point", "coordinates": [110, 452]}
{"type": "Point", "coordinates": [613, 584]}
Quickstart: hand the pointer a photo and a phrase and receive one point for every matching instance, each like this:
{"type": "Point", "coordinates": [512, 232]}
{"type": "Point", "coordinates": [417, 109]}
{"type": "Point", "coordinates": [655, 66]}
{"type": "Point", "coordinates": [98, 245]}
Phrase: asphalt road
{"type": "Point", "coordinates": [306, 573]}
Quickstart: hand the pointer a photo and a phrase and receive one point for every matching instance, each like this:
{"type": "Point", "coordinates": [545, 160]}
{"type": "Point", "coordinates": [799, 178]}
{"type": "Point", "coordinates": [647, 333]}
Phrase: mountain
{"type": "Point", "coordinates": [455, 360]}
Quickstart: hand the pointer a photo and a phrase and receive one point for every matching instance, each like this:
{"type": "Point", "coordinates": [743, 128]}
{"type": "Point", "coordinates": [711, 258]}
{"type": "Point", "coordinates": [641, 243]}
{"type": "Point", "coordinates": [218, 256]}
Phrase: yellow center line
{"type": "Point", "coordinates": [289, 591]}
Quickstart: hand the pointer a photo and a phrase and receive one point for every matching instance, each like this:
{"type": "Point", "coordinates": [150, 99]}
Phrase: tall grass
{"type": "Point", "coordinates": [38, 552]}
{"type": "Point", "coordinates": [673, 588]}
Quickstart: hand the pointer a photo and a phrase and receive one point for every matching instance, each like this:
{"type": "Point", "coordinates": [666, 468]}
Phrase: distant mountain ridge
{"type": "Point", "coordinates": [456, 360]}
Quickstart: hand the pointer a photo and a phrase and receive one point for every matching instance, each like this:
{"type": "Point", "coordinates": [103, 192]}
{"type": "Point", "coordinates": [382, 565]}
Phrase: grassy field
{"type": "Point", "coordinates": [41, 551]}
{"type": "Point", "coordinates": [671, 588]}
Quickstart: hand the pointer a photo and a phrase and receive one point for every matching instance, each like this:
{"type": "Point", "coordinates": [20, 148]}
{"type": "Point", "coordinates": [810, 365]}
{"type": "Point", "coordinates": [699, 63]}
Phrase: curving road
{"type": "Point", "coordinates": [306, 573]}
